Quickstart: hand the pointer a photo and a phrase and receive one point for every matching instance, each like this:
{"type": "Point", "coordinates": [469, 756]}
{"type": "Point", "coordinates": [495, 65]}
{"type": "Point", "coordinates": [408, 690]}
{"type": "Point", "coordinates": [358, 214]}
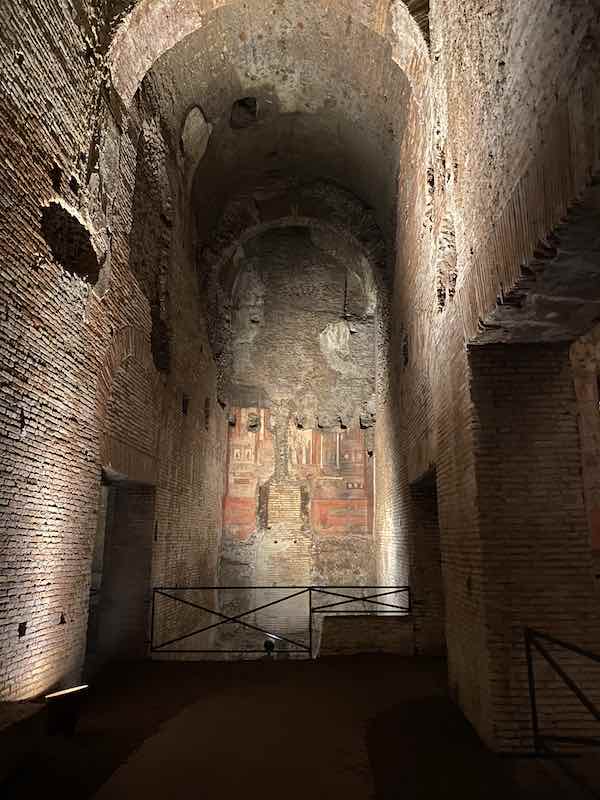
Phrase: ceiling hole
{"type": "Point", "coordinates": [244, 112]}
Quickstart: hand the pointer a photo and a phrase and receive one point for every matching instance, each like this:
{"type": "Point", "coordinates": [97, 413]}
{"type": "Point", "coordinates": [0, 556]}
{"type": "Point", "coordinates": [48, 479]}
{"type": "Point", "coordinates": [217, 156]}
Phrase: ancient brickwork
{"type": "Point", "coordinates": [537, 558]}
{"type": "Point", "coordinates": [130, 202]}
{"type": "Point", "coordinates": [585, 362]}
{"type": "Point", "coordinates": [299, 494]}
{"type": "Point", "coordinates": [48, 481]}
{"type": "Point", "coordinates": [80, 390]}
{"type": "Point", "coordinates": [427, 584]}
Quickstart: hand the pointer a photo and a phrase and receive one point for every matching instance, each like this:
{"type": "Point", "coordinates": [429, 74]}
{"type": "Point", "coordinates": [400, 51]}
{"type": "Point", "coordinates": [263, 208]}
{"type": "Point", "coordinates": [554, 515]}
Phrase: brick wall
{"type": "Point", "coordinates": [428, 591]}
{"type": "Point", "coordinates": [537, 557]}
{"type": "Point", "coordinates": [586, 370]}
{"type": "Point", "coordinates": [80, 389]}
{"type": "Point", "coordinates": [495, 136]}
{"type": "Point", "coordinates": [299, 493]}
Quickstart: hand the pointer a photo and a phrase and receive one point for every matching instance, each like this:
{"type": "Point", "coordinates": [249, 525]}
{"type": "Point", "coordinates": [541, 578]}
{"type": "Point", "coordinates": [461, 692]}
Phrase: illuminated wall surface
{"type": "Point", "coordinates": [329, 483]}
{"type": "Point", "coordinates": [312, 287]}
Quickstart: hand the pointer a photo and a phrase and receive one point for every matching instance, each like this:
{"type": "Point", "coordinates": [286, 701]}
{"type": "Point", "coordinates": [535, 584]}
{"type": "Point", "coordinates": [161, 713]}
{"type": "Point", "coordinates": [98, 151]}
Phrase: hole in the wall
{"type": "Point", "coordinates": [63, 619]}
{"type": "Point", "coordinates": [56, 178]}
{"type": "Point", "coordinates": [446, 264]}
{"type": "Point", "coordinates": [195, 134]}
{"type": "Point", "coordinates": [159, 340]}
{"type": "Point", "coordinates": [253, 423]}
{"type": "Point", "coordinates": [244, 112]}
{"type": "Point", "coordinates": [22, 420]}
{"type": "Point", "coordinates": [22, 629]}
{"type": "Point", "coordinates": [206, 413]}
{"type": "Point", "coordinates": [185, 405]}
{"type": "Point", "coordinates": [70, 242]}
{"type": "Point", "coordinates": [431, 179]}
{"type": "Point", "coordinates": [74, 184]}
{"type": "Point", "coordinates": [367, 420]}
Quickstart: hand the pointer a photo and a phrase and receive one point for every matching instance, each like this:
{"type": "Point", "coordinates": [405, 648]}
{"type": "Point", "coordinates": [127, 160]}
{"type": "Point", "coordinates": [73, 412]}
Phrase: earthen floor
{"type": "Point", "coordinates": [354, 728]}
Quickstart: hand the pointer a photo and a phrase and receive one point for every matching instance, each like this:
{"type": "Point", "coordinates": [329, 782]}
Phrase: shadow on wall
{"type": "Point", "coordinates": [121, 574]}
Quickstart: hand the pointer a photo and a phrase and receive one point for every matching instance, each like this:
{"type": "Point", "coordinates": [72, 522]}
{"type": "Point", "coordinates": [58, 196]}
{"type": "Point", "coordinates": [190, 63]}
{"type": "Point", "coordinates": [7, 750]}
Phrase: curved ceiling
{"type": "Point", "coordinates": [154, 27]}
{"type": "Point", "coordinates": [323, 111]}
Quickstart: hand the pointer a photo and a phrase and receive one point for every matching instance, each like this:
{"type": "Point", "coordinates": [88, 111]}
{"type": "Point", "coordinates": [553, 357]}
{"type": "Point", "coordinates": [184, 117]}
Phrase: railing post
{"type": "Point", "coordinates": [532, 692]}
{"type": "Point", "coordinates": [310, 616]}
{"type": "Point", "coordinates": [152, 621]}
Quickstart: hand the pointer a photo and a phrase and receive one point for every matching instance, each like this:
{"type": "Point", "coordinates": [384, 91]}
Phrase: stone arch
{"type": "Point", "coordinates": [128, 438]}
{"type": "Point", "coordinates": [321, 205]}
{"type": "Point", "coordinates": [153, 27]}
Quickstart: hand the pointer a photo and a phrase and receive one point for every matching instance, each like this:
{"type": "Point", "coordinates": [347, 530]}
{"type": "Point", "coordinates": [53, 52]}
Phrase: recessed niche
{"type": "Point", "coordinates": [195, 135]}
{"type": "Point", "coordinates": [56, 178]}
{"type": "Point", "coordinates": [253, 423]}
{"type": "Point", "coordinates": [70, 242]}
{"type": "Point", "coordinates": [159, 340]}
{"type": "Point", "coordinates": [244, 112]}
{"type": "Point", "coordinates": [446, 266]}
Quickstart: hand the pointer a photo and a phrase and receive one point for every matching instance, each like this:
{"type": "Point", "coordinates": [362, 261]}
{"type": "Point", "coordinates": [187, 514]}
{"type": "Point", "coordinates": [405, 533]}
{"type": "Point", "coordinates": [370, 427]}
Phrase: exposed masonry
{"type": "Point", "coordinates": [446, 260]}
{"type": "Point", "coordinates": [299, 499]}
{"type": "Point", "coordinates": [70, 242]}
{"type": "Point", "coordinates": [128, 202]}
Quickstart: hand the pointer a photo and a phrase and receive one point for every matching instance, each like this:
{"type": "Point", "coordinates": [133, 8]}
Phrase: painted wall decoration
{"type": "Point", "coordinates": [249, 465]}
{"type": "Point", "coordinates": [332, 468]}
{"type": "Point", "coordinates": [335, 465]}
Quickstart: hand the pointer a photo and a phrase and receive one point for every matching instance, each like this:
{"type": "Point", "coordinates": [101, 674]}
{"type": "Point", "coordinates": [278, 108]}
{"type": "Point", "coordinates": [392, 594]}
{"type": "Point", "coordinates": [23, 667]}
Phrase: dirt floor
{"type": "Point", "coordinates": [355, 728]}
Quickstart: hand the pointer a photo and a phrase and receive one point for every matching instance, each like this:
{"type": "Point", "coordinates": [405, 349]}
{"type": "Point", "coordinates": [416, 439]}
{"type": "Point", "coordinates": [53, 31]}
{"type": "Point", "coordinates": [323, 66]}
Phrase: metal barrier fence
{"type": "Point", "coordinates": [545, 744]}
{"type": "Point", "coordinates": [286, 621]}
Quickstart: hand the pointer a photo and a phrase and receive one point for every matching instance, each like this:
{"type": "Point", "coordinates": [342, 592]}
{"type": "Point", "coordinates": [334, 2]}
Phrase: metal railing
{"type": "Point", "coordinates": [294, 633]}
{"type": "Point", "coordinates": [545, 744]}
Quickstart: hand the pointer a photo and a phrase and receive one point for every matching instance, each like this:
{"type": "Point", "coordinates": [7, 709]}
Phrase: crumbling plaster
{"type": "Point", "coordinates": [503, 117]}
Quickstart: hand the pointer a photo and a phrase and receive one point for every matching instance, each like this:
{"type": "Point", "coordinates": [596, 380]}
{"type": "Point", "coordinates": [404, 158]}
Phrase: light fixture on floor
{"type": "Point", "coordinates": [269, 646]}
{"type": "Point", "coordinates": [64, 709]}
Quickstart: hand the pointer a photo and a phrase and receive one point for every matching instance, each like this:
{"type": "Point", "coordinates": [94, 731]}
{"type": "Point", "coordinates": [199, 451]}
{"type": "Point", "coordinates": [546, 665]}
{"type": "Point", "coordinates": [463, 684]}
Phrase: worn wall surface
{"type": "Point", "coordinates": [300, 376]}
{"type": "Point", "coordinates": [80, 387]}
{"type": "Point", "coordinates": [129, 201]}
{"type": "Point", "coordinates": [586, 370]}
{"type": "Point", "coordinates": [531, 513]}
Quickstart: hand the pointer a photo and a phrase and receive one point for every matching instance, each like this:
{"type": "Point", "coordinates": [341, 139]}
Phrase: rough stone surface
{"type": "Point", "coordinates": [462, 142]}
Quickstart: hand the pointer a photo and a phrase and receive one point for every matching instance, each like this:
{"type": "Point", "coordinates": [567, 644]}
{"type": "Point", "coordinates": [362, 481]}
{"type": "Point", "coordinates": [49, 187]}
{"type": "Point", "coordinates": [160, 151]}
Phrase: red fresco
{"type": "Point", "coordinates": [249, 464]}
{"type": "Point", "coordinates": [333, 464]}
